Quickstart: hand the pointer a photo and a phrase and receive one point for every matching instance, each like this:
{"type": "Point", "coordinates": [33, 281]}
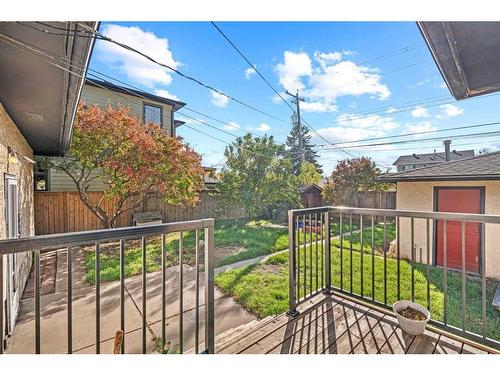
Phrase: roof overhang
{"type": "Point", "coordinates": [396, 179]}
{"type": "Point", "coordinates": [176, 105]}
{"type": "Point", "coordinates": [40, 97]}
{"type": "Point", "coordinates": [467, 54]}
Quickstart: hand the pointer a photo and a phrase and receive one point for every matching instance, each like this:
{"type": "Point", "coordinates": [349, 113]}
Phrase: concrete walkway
{"type": "Point", "coordinates": [228, 314]}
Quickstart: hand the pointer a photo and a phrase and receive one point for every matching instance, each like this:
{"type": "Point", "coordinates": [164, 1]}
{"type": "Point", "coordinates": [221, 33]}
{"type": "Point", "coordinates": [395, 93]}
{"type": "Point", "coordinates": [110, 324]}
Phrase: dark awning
{"type": "Point", "coordinates": [41, 98]}
{"type": "Point", "coordinates": [467, 54]}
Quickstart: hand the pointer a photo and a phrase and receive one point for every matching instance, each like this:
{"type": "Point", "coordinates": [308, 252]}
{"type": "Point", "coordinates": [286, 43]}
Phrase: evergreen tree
{"type": "Point", "coordinates": [293, 142]}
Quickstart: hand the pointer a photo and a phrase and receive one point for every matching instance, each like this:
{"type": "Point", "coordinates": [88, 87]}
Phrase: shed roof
{"type": "Point", "coordinates": [481, 167]}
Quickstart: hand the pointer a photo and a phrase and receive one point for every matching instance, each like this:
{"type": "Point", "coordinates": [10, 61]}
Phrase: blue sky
{"type": "Point", "coordinates": [351, 75]}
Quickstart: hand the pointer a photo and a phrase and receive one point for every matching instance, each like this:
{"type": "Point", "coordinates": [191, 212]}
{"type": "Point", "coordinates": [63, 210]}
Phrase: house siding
{"type": "Point", "coordinates": [101, 97]}
{"type": "Point", "coordinates": [419, 196]}
{"type": "Point", "coordinates": [60, 181]}
{"type": "Point", "coordinates": [23, 171]}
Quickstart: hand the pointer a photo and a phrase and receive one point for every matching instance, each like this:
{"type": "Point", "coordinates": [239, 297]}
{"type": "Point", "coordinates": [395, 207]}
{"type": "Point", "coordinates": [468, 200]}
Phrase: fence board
{"type": "Point", "coordinates": [58, 212]}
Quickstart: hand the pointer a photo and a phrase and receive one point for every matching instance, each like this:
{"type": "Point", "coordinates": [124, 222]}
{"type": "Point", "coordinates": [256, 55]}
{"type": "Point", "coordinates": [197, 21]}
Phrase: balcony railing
{"type": "Point", "coordinates": [382, 256]}
{"type": "Point", "coordinates": [204, 258]}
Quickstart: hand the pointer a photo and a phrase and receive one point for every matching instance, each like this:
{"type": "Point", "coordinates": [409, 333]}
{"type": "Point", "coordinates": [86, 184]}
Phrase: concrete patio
{"type": "Point", "coordinates": [54, 313]}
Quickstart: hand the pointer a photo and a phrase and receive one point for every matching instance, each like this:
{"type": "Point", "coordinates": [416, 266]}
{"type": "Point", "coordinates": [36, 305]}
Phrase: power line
{"type": "Point", "coordinates": [478, 135]}
{"type": "Point", "coordinates": [135, 94]}
{"type": "Point", "coordinates": [178, 72]}
{"type": "Point", "coordinates": [416, 133]}
{"type": "Point", "coordinates": [253, 66]}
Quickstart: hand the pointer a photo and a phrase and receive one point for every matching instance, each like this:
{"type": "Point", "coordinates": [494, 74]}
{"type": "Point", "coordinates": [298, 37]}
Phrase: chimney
{"type": "Point", "coordinates": [447, 144]}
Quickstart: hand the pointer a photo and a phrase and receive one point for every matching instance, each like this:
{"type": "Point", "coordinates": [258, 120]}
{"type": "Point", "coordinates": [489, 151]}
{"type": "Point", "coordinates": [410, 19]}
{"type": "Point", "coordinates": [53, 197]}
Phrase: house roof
{"type": "Point", "coordinates": [210, 180]}
{"type": "Point", "coordinates": [138, 93]}
{"type": "Point", "coordinates": [304, 188]}
{"type": "Point", "coordinates": [467, 55]}
{"type": "Point", "coordinates": [435, 157]}
{"type": "Point", "coordinates": [481, 167]}
{"type": "Point", "coordinates": [39, 96]}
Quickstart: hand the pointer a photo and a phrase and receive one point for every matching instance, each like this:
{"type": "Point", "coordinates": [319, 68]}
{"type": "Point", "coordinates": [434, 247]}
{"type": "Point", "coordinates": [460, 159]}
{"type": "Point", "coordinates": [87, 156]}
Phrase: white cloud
{"type": "Point", "coordinates": [263, 127]}
{"type": "Point", "coordinates": [294, 67]}
{"type": "Point", "coordinates": [390, 110]}
{"type": "Point", "coordinates": [350, 127]}
{"type": "Point", "coordinates": [232, 126]}
{"type": "Point", "coordinates": [166, 94]}
{"type": "Point", "coordinates": [249, 72]}
{"type": "Point", "coordinates": [319, 107]}
{"type": "Point", "coordinates": [134, 66]}
{"type": "Point", "coordinates": [219, 100]}
{"type": "Point", "coordinates": [420, 112]}
{"type": "Point", "coordinates": [421, 127]}
{"type": "Point", "coordinates": [326, 59]}
{"type": "Point", "coordinates": [449, 110]}
{"type": "Point", "coordinates": [326, 77]}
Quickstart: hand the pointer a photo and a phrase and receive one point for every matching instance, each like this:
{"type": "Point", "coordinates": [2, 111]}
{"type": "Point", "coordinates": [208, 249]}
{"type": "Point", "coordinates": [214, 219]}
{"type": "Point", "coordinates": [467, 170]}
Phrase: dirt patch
{"type": "Point", "coordinates": [224, 251]}
{"type": "Point", "coordinates": [412, 314]}
{"type": "Point", "coordinates": [269, 268]}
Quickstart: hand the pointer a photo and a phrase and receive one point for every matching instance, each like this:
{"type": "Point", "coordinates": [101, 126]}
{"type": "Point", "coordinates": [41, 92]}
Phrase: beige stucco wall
{"type": "Point", "coordinates": [420, 196]}
{"type": "Point", "coordinates": [23, 170]}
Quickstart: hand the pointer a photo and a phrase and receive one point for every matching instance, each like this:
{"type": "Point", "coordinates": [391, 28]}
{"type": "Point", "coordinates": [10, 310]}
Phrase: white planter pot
{"type": "Point", "coordinates": [410, 326]}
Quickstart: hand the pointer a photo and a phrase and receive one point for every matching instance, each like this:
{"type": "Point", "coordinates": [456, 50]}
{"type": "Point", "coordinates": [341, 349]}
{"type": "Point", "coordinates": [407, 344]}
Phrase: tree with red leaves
{"type": "Point", "coordinates": [349, 177]}
{"type": "Point", "coordinates": [134, 161]}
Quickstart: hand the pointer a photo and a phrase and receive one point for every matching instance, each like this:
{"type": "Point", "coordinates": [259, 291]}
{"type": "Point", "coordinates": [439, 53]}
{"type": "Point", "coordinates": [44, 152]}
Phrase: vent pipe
{"type": "Point", "coordinates": [447, 143]}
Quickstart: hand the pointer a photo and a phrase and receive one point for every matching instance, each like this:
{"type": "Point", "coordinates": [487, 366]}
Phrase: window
{"type": "Point", "coordinates": [152, 113]}
{"type": "Point", "coordinates": [41, 177]}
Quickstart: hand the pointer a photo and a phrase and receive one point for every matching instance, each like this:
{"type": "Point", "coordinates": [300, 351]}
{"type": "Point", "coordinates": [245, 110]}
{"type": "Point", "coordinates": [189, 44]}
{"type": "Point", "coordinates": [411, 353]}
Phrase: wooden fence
{"type": "Point", "coordinates": [59, 212]}
{"type": "Point", "coordinates": [384, 200]}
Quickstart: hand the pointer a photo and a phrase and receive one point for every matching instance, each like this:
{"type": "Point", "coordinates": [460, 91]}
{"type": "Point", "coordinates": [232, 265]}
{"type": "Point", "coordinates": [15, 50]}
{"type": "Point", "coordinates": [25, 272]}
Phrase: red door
{"type": "Point", "coordinates": [464, 200]}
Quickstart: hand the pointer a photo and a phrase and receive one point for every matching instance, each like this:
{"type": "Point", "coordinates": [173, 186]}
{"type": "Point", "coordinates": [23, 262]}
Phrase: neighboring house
{"type": "Point", "coordinates": [414, 161]}
{"type": "Point", "coordinates": [147, 107]}
{"type": "Point", "coordinates": [210, 178]}
{"type": "Point", "coordinates": [38, 103]}
{"type": "Point", "coordinates": [310, 195]}
{"type": "Point", "coordinates": [466, 186]}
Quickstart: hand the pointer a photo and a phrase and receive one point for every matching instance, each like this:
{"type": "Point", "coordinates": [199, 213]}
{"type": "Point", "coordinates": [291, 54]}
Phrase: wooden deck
{"type": "Point", "coordinates": [337, 325]}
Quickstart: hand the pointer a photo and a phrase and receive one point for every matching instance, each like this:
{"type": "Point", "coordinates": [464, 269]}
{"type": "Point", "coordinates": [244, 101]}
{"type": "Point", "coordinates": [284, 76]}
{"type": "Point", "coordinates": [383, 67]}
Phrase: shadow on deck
{"type": "Point", "coordinates": [337, 325]}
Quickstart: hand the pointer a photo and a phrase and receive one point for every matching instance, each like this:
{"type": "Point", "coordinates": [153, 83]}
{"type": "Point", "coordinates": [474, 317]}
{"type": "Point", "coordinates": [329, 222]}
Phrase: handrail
{"type": "Point", "coordinates": [311, 231]}
{"type": "Point", "coordinates": [481, 218]}
{"type": "Point", "coordinates": [53, 241]}
{"type": "Point", "coordinates": [69, 241]}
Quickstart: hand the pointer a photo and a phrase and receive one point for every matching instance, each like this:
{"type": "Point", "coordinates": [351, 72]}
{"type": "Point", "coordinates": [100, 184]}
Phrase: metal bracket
{"type": "Point", "coordinates": [293, 313]}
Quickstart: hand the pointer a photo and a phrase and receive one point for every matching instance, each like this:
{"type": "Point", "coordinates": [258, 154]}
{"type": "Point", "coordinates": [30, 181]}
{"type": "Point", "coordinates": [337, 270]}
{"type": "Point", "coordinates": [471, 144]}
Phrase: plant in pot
{"type": "Point", "coordinates": [412, 317]}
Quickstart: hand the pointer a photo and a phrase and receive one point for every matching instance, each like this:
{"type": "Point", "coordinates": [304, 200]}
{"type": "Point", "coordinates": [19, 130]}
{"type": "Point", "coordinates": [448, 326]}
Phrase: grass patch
{"type": "Point", "coordinates": [264, 294]}
{"type": "Point", "coordinates": [255, 240]}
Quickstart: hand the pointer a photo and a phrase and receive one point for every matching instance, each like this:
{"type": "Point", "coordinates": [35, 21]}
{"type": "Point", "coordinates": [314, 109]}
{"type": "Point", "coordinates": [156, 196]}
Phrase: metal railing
{"type": "Point", "coordinates": [382, 256]}
{"type": "Point", "coordinates": [71, 241]}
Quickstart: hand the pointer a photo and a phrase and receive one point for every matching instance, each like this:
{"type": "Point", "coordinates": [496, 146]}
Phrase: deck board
{"type": "Point", "coordinates": [337, 325]}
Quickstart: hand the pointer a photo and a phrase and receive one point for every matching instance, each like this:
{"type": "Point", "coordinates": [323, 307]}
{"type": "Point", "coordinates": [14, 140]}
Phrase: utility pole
{"type": "Point", "coordinates": [296, 100]}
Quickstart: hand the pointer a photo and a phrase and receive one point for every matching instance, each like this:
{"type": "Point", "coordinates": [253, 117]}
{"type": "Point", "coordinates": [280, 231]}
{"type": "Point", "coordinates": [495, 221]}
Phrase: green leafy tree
{"type": "Point", "coordinates": [309, 174]}
{"type": "Point", "coordinates": [293, 143]}
{"type": "Point", "coordinates": [257, 176]}
{"type": "Point", "coordinates": [132, 159]}
{"type": "Point", "coordinates": [349, 177]}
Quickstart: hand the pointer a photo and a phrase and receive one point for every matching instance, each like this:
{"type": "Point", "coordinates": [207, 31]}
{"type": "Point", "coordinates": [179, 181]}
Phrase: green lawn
{"type": "Point", "coordinates": [252, 238]}
{"type": "Point", "coordinates": [263, 288]}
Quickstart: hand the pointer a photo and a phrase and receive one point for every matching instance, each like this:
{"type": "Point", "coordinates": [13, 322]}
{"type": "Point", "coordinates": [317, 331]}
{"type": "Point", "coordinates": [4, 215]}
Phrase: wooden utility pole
{"type": "Point", "coordinates": [296, 100]}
